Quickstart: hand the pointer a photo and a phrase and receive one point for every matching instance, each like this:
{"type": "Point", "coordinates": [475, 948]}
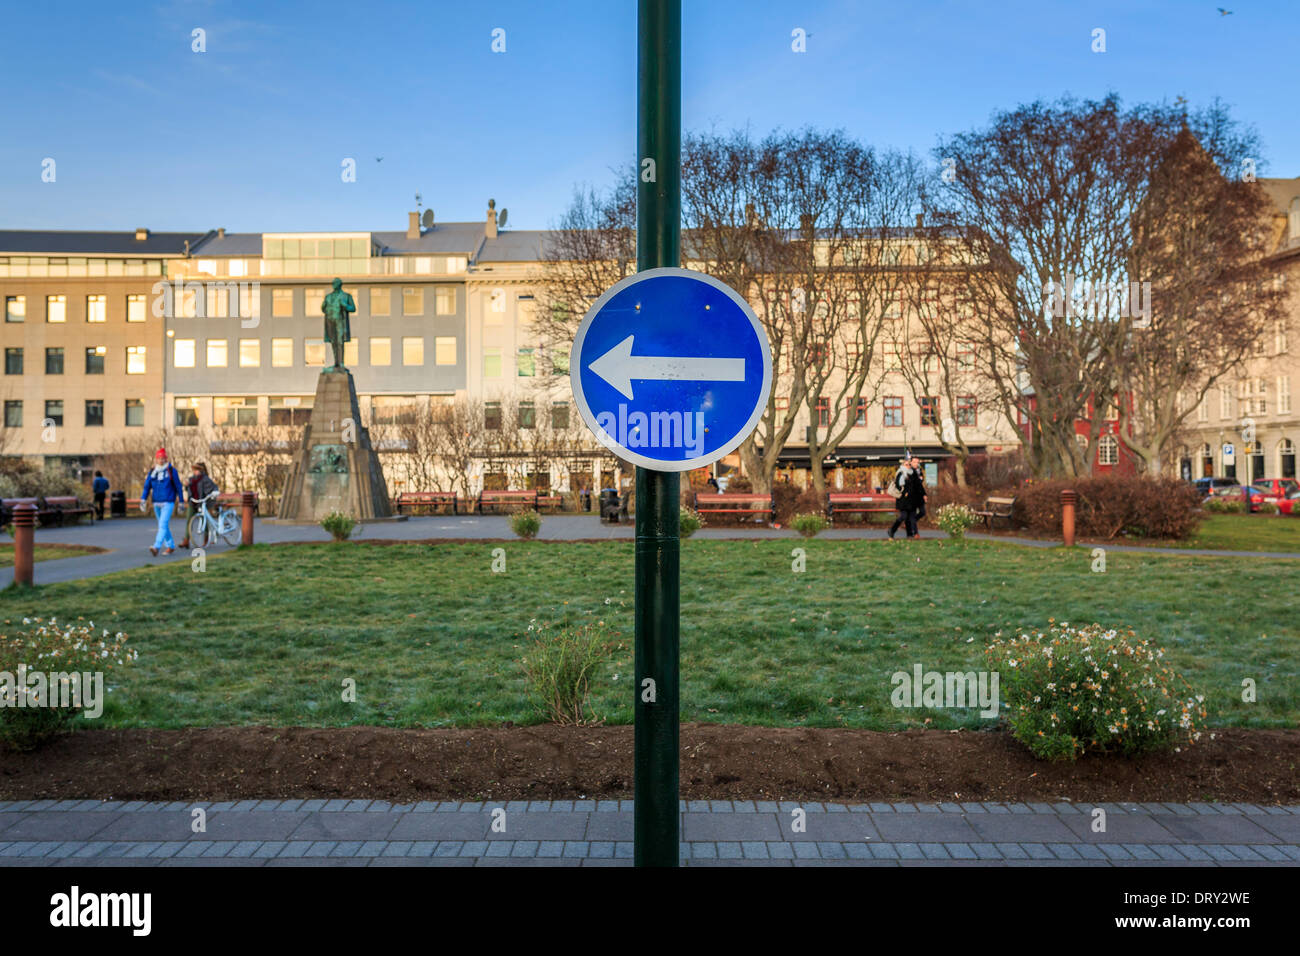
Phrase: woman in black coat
{"type": "Point", "coordinates": [911, 497]}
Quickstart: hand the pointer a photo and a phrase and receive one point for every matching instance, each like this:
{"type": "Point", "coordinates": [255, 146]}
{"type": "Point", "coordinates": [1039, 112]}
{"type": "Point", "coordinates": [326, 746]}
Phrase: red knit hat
{"type": "Point", "coordinates": [162, 453]}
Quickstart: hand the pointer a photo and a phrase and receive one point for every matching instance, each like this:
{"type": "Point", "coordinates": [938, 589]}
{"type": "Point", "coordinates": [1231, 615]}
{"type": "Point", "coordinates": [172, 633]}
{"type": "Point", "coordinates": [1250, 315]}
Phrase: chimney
{"type": "Point", "coordinates": [221, 233]}
{"type": "Point", "coordinates": [141, 234]}
{"type": "Point", "coordinates": [920, 220]}
{"type": "Point", "coordinates": [492, 219]}
{"type": "Point", "coordinates": [412, 225]}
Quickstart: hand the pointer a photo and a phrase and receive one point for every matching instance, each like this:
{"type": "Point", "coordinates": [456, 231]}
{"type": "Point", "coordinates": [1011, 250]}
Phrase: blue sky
{"type": "Point", "coordinates": [250, 134]}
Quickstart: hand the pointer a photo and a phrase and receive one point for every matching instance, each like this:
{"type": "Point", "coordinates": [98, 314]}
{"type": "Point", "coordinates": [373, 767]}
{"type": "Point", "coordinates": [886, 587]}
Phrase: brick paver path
{"type": "Point", "coordinates": [599, 833]}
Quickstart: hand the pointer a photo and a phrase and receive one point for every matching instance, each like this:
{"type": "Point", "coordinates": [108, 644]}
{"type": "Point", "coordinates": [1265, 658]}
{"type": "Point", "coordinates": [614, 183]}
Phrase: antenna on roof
{"type": "Point", "coordinates": [501, 219]}
{"type": "Point", "coordinates": [427, 219]}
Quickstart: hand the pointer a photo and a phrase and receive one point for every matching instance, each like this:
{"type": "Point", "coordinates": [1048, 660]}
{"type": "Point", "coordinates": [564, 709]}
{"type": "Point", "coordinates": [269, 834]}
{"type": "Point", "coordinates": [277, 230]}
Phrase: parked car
{"type": "Point", "coordinates": [1254, 497]}
{"type": "Point", "coordinates": [1206, 486]}
{"type": "Point", "coordinates": [1283, 492]}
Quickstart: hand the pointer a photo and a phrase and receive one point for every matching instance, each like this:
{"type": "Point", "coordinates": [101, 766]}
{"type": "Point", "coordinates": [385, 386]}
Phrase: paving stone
{"type": "Point", "coordinates": [1040, 851]}
{"type": "Point", "coordinates": [756, 850]}
{"type": "Point", "coordinates": [704, 851]}
{"type": "Point", "coordinates": [1141, 851]}
{"type": "Point", "coordinates": [320, 848]}
{"type": "Point", "coordinates": [887, 851]}
{"type": "Point", "coordinates": [1271, 852]}
{"type": "Point", "coordinates": [293, 849]}
{"type": "Point", "coordinates": [624, 850]}
{"type": "Point", "coordinates": [550, 848]}
{"type": "Point", "coordinates": [169, 849]}
{"type": "Point", "coordinates": [858, 851]}
{"type": "Point", "coordinates": [336, 825]}
{"type": "Point", "coordinates": [576, 848]}
{"type": "Point", "coordinates": [426, 848]}
{"type": "Point", "coordinates": [935, 851]}
{"type": "Point", "coordinates": [744, 806]}
{"type": "Point", "coordinates": [1112, 851]}
{"type": "Point", "coordinates": [780, 851]}
{"type": "Point", "coordinates": [1192, 852]}
{"type": "Point", "coordinates": [68, 825]}
{"type": "Point", "coordinates": [931, 828]}
{"type": "Point", "coordinates": [905, 808]}
{"type": "Point", "coordinates": [380, 806]}
{"type": "Point", "coordinates": [1243, 852]}
{"type": "Point", "coordinates": [601, 848]}
{"type": "Point", "coordinates": [1011, 851]}
{"type": "Point", "coordinates": [806, 851]}
{"type": "Point", "coordinates": [1220, 829]}
{"type": "Point", "coordinates": [605, 826]}
{"type": "Point", "coordinates": [313, 805]}
{"type": "Point", "coordinates": [441, 848]}
{"type": "Point", "coordinates": [524, 848]}
{"type": "Point", "coordinates": [269, 849]}
{"type": "Point", "coordinates": [1019, 828]}
{"type": "Point", "coordinates": [909, 851]}
{"type": "Point", "coordinates": [1218, 852]}
{"type": "Point", "coordinates": [471, 848]}
{"type": "Point", "coordinates": [831, 850]}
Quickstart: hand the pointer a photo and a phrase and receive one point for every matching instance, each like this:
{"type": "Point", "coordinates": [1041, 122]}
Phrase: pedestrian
{"type": "Point", "coordinates": [713, 483]}
{"type": "Point", "coordinates": [925, 492]}
{"type": "Point", "coordinates": [100, 489]}
{"type": "Point", "coordinates": [910, 487]}
{"type": "Point", "coordinates": [164, 485]}
{"type": "Point", "coordinates": [199, 486]}
{"type": "Point", "coordinates": [584, 497]}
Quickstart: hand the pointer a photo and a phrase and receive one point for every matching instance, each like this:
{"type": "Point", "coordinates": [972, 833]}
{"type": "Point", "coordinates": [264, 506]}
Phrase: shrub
{"type": "Point", "coordinates": [1266, 508]}
{"type": "Point", "coordinates": [689, 521]}
{"type": "Point", "coordinates": [1080, 689]}
{"type": "Point", "coordinates": [784, 501]}
{"type": "Point", "coordinates": [955, 519]}
{"type": "Point", "coordinates": [1224, 506]}
{"type": "Point", "coordinates": [809, 524]}
{"type": "Point", "coordinates": [558, 667]}
{"type": "Point", "coordinates": [526, 524]}
{"type": "Point", "coordinates": [22, 479]}
{"type": "Point", "coordinates": [27, 719]}
{"type": "Point", "coordinates": [338, 525]}
{"type": "Point", "coordinates": [1156, 507]}
{"type": "Point", "coordinates": [739, 483]}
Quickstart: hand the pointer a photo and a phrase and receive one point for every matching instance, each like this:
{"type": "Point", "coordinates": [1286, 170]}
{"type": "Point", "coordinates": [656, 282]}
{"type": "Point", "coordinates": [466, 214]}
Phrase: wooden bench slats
{"type": "Point", "coordinates": [997, 507]}
{"type": "Point", "coordinates": [430, 499]}
{"type": "Point", "coordinates": [736, 503]}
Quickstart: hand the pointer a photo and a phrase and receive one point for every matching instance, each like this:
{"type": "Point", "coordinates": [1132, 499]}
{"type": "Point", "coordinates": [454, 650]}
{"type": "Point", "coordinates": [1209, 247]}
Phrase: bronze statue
{"type": "Point", "coordinates": [338, 327]}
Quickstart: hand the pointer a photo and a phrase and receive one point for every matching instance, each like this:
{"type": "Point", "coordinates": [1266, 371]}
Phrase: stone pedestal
{"type": "Point", "coordinates": [337, 468]}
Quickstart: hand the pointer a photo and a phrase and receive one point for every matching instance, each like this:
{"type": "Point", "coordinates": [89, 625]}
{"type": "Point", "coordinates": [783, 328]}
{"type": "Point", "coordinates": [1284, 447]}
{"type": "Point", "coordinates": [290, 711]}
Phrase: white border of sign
{"type": "Point", "coordinates": [575, 373]}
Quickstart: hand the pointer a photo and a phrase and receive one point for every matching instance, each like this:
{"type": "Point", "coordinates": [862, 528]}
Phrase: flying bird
{"type": "Point", "coordinates": [379, 159]}
{"type": "Point", "coordinates": [1223, 12]}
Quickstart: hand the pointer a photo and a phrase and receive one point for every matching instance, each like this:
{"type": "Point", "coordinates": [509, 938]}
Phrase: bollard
{"type": "Point", "coordinates": [24, 541]}
{"type": "Point", "coordinates": [248, 517]}
{"type": "Point", "coordinates": [1068, 498]}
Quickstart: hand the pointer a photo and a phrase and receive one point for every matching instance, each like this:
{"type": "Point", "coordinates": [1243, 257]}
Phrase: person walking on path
{"type": "Point", "coordinates": [911, 497]}
{"type": "Point", "coordinates": [164, 485]}
{"type": "Point", "coordinates": [199, 486]}
{"type": "Point", "coordinates": [99, 487]}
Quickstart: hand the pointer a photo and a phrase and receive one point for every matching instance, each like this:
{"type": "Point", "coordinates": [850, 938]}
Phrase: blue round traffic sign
{"type": "Point", "coordinates": [671, 369]}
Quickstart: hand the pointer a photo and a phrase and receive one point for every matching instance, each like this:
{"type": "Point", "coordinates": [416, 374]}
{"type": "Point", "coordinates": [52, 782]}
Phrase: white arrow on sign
{"type": "Point", "coordinates": [619, 366]}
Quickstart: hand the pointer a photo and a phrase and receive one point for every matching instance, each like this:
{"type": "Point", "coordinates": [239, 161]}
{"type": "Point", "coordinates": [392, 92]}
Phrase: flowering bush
{"type": "Point", "coordinates": [559, 665]}
{"type": "Point", "coordinates": [955, 519]}
{"type": "Point", "coordinates": [45, 668]}
{"type": "Point", "coordinates": [526, 524]}
{"type": "Point", "coordinates": [1079, 689]}
{"type": "Point", "coordinates": [689, 522]}
{"type": "Point", "coordinates": [809, 523]}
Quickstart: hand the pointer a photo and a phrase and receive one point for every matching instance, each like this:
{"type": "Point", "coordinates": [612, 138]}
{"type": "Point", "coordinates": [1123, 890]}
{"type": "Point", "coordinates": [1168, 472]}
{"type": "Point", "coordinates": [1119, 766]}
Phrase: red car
{"type": "Point", "coordinates": [1283, 492]}
{"type": "Point", "coordinates": [1252, 495]}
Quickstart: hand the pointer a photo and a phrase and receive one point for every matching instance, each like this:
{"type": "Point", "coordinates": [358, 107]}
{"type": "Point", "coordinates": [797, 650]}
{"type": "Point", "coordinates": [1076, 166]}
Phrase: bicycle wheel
{"type": "Point", "coordinates": [198, 531]}
{"type": "Point", "coordinates": [228, 526]}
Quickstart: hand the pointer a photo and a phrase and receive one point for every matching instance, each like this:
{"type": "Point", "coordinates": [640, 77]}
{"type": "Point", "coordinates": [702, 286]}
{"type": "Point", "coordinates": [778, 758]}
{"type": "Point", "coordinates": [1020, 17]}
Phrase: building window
{"type": "Point", "coordinates": [393, 410]}
{"type": "Point", "coordinates": [966, 411]}
{"type": "Point", "coordinates": [281, 353]}
{"type": "Point", "coordinates": [492, 415]}
{"type": "Point", "coordinates": [187, 412]}
{"type": "Point", "coordinates": [893, 411]}
{"type": "Point", "coordinates": [444, 350]}
{"type": "Point", "coordinates": [250, 353]}
{"type": "Point", "coordinates": [16, 309]}
{"type": "Point", "coordinates": [559, 361]}
{"type": "Point", "coordinates": [526, 363]}
{"type": "Point", "coordinates": [412, 301]}
{"type": "Point", "coordinates": [289, 410]}
{"type": "Point", "coordinates": [134, 413]}
{"type": "Point", "coordinates": [445, 300]}
{"type": "Point", "coordinates": [929, 409]}
{"type": "Point", "coordinates": [56, 308]}
{"type": "Point", "coordinates": [1279, 336]}
{"type": "Point", "coordinates": [527, 415]}
{"type": "Point", "coordinates": [250, 301]}
{"type": "Point", "coordinates": [313, 352]}
{"type": "Point", "coordinates": [54, 361]}
{"type": "Point", "coordinates": [54, 411]}
{"type": "Point", "coordinates": [217, 303]}
{"type": "Point", "coordinates": [282, 302]}
{"type": "Point", "coordinates": [1286, 458]}
{"type": "Point", "coordinates": [497, 301]}
{"type": "Point", "coordinates": [559, 415]}
{"type": "Point", "coordinates": [313, 302]}
{"type": "Point", "coordinates": [135, 308]}
{"type": "Point", "coordinates": [893, 356]}
{"type": "Point", "coordinates": [381, 351]}
{"type": "Point", "coordinates": [234, 412]}
{"type": "Point", "coordinates": [14, 414]}
{"type": "Point", "coordinates": [135, 363]}
{"type": "Point", "coordinates": [95, 356]}
{"type": "Point", "coordinates": [966, 357]}
{"type": "Point", "coordinates": [859, 411]}
{"type": "Point", "coordinates": [1284, 394]}
{"type": "Point", "coordinates": [13, 361]}
{"type": "Point", "coordinates": [183, 353]}
{"type": "Point", "coordinates": [822, 411]}
{"type": "Point", "coordinates": [491, 363]}
{"type": "Point", "coordinates": [1203, 409]}
{"type": "Point", "coordinates": [94, 412]}
{"type": "Point", "coordinates": [1107, 450]}
{"type": "Point", "coordinates": [186, 305]}
{"type": "Point", "coordinates": [218, 353]}
{"type": "Point", "coordinates": [96, 308]}
{"type": "Point", "coordinates": [381, 301]}
{"type": "Point", "coordinates": [1207, 461]}
{"type": "Point", "coordinates": [412, 350]}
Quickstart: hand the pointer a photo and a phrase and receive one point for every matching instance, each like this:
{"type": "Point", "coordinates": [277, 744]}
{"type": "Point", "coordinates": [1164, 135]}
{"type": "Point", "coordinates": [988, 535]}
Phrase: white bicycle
{"type": "Point", "coordinates": [204, 527]}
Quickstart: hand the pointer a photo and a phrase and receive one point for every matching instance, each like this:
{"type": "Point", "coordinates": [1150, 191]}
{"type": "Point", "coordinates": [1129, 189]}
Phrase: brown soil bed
{"type": "Point", "coordinates": [550, 762]}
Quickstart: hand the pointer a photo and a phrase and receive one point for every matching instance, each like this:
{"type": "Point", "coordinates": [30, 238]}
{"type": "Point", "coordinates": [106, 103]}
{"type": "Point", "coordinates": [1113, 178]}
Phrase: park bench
{"type": "Point", "coordinates": [858, 502]}
{"type": "Point", "coordinates": [7, 506]}
{"type": "Point", "coordinates": [498, 499]}
{"type": "Point", "coordinates": [548, 501]}
{"type": "Point", "coordinates": [997, 508]}
{"type": "Point", "coordinates": [741, 504]}
{"type": "Point", "coordinates": [58, 508]}
{"type": "Point", "coordinates": [235, 499]}
{"type": "Point", "coordinates": [412, 501]}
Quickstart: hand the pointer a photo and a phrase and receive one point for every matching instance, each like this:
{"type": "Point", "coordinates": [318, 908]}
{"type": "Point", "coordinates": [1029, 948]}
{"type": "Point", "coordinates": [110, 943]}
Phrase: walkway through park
{"type": "Point", "coordinates": [128, 539]}
{"type": "Point", "coordinates": [599, 833]}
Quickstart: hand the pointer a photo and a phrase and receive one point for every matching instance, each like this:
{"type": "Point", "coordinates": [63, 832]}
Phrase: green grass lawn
{"type": "Point", "coordinates": [432, 636]}
{"type": "Point", "coordinates": [43, 552]}
{"type": "Point", "coordinates": [1247, 533]}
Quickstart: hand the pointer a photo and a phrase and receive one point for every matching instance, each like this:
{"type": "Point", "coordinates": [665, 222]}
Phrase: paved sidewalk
{"type": "Point", "coordinates": [129, 539]}
{"type": "Point", "coordinates": [599, 833]}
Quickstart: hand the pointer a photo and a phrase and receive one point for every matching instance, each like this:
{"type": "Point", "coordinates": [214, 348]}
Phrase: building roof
{"type": "Point", "coordinates": [1280, 192]}
{"type": "Point", "coordinates": [231, 244]}
{"type": "Point", "coordinates": [45, 242]}
{"type": "Point", "coordinates": [443, 238]}
{"type": "Point", "coordinates": [516, 245]}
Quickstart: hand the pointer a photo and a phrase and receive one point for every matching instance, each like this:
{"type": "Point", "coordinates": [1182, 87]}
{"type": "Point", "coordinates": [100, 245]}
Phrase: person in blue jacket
{"type": "Point", "coordinates": [100, 488]}
{"type": "Point", "coordinates": [164, 485]}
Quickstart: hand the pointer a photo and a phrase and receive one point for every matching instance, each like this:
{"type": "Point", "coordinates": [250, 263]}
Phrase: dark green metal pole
{"type": "Point", "coordinates": [658, 243]}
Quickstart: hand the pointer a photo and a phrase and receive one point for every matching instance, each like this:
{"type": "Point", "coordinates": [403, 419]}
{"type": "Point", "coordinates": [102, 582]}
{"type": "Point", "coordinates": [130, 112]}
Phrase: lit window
{"type": "Point", "coordinates": [412, 350]}
{"type": "Point", "coordinates": [217, 353]}
{"type": "Point", "coordinates": [282, 302]}
{"type": "Point", "coordinates": [250, 353]}
{"type": "Point", "coordinates": [208, 266]}
{"type": "Point", "coordinates": [526, 363]}
{"type": "Point", "coordinates": [445, 302]}
{"type": "Point", "coordinates": [491, 363]}
{"type": "Point", "coordinates": [134, 413]}
{"type": "Point", "coordinates": [1283, 394]}
{"type": "Point", "coordinates": [444, 350]}
{"type": "Point", "coordinates": [281, 353]}
{"type": "Point", "coordinates": [56, 308]}
{"type": "Point", "coordinates": [412, 301]}
{"type": "Point", "coordinates": [135, 308]}
{"type": "Point", "coordinates": [313, 301]}
{"type": "Point", "coordinates": [135, 359]}
{"type": "Point", "coordinates": [234, 412]}
{"type": "Point", "coordinates": [183, 353]}
{"type": "Point", "coordinates": [250, 302]}
{"type": "Point", "coordinates": [313, 353]}
{"type": "Point", "coordinates": [381, 301]}
{"type": "Point", "coordinates": [187, 412]}
{"type": "Point", "coordinates": [15, 308]}
{"type": "Point", "coordinates": [381, 351]}
{"type": "Point", "coordinates": [96, 308]}
{"type": "Point", "coordinates": [893, 411]}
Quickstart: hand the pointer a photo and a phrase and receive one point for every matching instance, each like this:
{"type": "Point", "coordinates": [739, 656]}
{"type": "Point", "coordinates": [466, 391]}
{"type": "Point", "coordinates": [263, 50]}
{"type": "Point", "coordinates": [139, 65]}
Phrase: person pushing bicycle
{"type": "Point", "coordinates": [200, 486]}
